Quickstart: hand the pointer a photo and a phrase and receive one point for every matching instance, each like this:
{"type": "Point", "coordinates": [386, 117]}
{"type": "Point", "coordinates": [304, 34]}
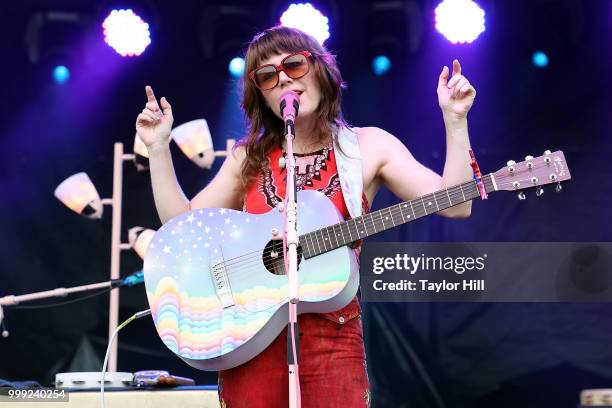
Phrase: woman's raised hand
{"type": "Point", "coordinates": [153, 125]}
{"type": "Point", "coordinates": [455, 96]}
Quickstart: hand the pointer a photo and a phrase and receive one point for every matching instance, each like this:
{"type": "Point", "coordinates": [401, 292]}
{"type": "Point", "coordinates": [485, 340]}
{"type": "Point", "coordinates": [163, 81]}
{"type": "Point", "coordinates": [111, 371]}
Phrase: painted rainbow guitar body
{"type": "Point", "coordinates": [214, 302]}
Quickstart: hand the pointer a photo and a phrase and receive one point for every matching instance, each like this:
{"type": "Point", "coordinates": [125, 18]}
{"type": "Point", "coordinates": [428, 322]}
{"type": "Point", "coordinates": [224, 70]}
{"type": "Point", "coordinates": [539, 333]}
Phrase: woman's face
{"type": "Point", "coordinates": [307, 87]}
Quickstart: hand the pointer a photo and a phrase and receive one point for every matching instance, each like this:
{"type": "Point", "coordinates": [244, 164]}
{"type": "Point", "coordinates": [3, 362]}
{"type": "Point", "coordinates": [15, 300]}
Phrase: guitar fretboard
{"type": "Point", "coordinates": [335, 236]}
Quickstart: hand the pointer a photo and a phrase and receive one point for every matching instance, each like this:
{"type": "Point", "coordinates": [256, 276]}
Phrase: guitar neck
{"type": "Point", "coordinates": [338, 235]}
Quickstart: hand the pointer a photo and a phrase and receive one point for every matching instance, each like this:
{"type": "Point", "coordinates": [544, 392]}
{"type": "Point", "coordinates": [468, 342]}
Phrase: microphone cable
{"type": "Point", "coordinates": [135, 316]}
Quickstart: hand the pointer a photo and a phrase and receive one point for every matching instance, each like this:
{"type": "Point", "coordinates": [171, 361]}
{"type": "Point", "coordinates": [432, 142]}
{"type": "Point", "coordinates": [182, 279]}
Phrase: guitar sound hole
{"type": "Point", "coordinates": [276, 264]}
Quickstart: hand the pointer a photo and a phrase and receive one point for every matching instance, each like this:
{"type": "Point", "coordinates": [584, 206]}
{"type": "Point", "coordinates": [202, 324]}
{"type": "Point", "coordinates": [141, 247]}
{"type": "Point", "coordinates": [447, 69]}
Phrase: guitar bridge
{"type": "Point", "coordinates": [221, 282]}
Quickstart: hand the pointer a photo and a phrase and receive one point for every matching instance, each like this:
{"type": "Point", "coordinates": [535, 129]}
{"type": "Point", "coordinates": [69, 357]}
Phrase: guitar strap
{"type": "Point", "coordinates": [348, 162]}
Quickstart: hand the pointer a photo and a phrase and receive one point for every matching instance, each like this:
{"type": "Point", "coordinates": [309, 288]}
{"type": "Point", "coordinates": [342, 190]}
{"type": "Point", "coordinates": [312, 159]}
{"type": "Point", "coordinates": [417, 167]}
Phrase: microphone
{"type": "Point", "coordinates": [132, 280]}
{"type": "Point", "coordinates": [289, 106]}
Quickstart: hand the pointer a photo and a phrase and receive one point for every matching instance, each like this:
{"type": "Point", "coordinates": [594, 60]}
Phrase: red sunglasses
{"type": "Point", "coordinates": [294, 65]}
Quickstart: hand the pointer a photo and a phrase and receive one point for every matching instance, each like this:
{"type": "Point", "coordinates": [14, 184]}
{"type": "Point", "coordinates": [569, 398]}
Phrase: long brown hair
{"type": "Point", "coordinates": [265, 129]}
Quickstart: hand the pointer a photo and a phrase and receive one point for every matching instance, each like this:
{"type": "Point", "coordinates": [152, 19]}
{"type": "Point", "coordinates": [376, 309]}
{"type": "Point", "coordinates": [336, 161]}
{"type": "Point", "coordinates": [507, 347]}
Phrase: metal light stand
{"type": "Point", "coordinates": [116, 246]}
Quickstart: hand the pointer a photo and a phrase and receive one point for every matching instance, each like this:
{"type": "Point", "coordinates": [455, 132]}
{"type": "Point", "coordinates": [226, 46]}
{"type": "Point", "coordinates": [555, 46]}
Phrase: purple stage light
{"type": "Point", "coordinates": [126, 33]}
{"type": "Point", "coordinates": [308, 19]}
{"type": "Point", "coordinates": [460, 21]}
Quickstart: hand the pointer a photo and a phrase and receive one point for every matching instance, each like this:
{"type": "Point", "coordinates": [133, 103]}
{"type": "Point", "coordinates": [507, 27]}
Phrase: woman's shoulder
{"type": "Point", "coordinates": [372, 137]}
{"type": "Point", "coordinates": [237, 153]}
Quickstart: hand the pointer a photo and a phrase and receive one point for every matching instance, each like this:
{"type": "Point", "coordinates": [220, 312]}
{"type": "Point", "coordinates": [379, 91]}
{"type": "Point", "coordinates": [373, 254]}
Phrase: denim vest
{"type": "Point", "coordinates": [348, 161]}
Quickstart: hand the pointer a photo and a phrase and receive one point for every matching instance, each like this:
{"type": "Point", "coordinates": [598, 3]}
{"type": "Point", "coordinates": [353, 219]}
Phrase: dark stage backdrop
{"type": "Point", "coordinates": [419, 355]}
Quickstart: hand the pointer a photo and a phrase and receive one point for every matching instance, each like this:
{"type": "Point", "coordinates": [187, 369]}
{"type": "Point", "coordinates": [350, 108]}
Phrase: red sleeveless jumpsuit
{"type": "Point", "coordinates": [332, 358]}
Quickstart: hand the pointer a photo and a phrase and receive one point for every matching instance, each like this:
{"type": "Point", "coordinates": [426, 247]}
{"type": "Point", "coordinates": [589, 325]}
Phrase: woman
{"type": "Point", "coordinates": [332, 364]}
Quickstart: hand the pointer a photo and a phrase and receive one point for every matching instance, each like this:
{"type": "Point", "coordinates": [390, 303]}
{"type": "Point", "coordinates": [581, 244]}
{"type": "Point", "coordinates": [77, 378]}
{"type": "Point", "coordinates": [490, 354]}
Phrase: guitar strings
{"type": "Point", "coordinates": [235, 269]}
{"type": "Point", "coordinates": [367, 216]}
{"type": "Point", "coordinates": [242, 262]}
{"type": "Point", "coordinates": [246, 260]}
{"type": "Point", "coordinates": [373, 222]}
{"type": "Point", "coordinates": [487, 179]}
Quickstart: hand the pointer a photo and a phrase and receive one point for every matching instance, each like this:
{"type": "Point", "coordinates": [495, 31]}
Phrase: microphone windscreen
{"type": "Point", "coordinates": [289, 104]}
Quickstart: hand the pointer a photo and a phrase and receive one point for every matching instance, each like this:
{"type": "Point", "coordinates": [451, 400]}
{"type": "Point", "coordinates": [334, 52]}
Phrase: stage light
{"type": "Point", "coordinates": [381, 64]}
{"type": "Point", "coordinates": [126, 32]}
{"type": "Point", "coordinates": [236, 67]}
{"type": "Point", "coordinates": [61, 74]}
{"type": "Point", "coordinates": [79, 194]}
{"type": "Point", "coordinates": [394, 29]}
{"type": "Point", "coordinates": [460, 21]}
{"type": "Point", "coordinates": [195, 141]}
{"type": "Point", "coordinates": [139, 239]}
{"type": "Point", "coordinates": [559, 31]}
{"type": "Point", "coordinates": [539, 59]}
{"type": "Point", "coordinates": [223, 30]}
{"type": "Point", "coordinates": [54, 42]}
{"type": "Point", "coordinates": [308, 19]}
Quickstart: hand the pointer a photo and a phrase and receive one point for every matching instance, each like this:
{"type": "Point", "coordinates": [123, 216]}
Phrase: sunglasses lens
{"type": "Point", "coordinates": [266, 77]}
{"type": "Point", "coordinates": [296, 66]}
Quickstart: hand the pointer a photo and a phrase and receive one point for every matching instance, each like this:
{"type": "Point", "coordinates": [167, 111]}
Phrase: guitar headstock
{"type": "Point", "coordinates": [550, 168]}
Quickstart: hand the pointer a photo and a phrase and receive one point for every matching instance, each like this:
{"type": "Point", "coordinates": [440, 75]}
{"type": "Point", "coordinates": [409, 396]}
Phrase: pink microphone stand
{"type": "Point", "coordinates": [289, 108]}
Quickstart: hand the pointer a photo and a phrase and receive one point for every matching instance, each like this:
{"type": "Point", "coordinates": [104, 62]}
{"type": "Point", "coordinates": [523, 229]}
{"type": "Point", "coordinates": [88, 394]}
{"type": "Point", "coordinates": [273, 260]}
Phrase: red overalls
{"type": "Point", "coordinates": [332, 357]}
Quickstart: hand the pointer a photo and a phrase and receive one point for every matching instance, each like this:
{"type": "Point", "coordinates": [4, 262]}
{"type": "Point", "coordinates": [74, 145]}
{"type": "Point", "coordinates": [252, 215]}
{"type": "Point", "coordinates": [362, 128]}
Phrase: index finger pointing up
{"type": "Point", "coordinates": [150, 94]}
{"type": "Point", "coordinates": [456, 67]}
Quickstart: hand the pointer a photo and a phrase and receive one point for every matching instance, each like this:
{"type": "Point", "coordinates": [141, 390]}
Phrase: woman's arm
{"type": "Point", "coordinates": [391, 163]}
{"type": "Point", "coordinates": [394, 166]}
{"type": "Point", "coordinates": [456, 97]}
{"type": "Point", "coordinates": [457, 167]}
{"type": "Point", "coordinates": [153, 126]}
{"type": "Point", "coordinates": [170, 200]}
{"type": "Point", "coordinates": [223, 191]}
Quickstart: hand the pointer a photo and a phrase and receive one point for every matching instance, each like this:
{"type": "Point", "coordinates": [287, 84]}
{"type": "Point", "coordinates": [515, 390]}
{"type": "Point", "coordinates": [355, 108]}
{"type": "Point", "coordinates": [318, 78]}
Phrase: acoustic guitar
{"type": "Point", "coordinates": [216, 281]}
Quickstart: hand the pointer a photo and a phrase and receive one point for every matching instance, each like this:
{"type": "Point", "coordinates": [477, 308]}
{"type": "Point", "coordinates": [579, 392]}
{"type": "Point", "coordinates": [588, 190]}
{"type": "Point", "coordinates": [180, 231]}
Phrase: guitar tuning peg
{"type": "Point", "coordinates": [539, 191]}
{"type": "Point", "coordinates": [547, 152]}
{"type": "Point", "coordinates": [529, 157]}
{"type": "Point", "coordinates": [558, 187]}
{"type": "Point", "coordinates": [521, 196]}
{"type": "Point", "coordinates": [511, 164]}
